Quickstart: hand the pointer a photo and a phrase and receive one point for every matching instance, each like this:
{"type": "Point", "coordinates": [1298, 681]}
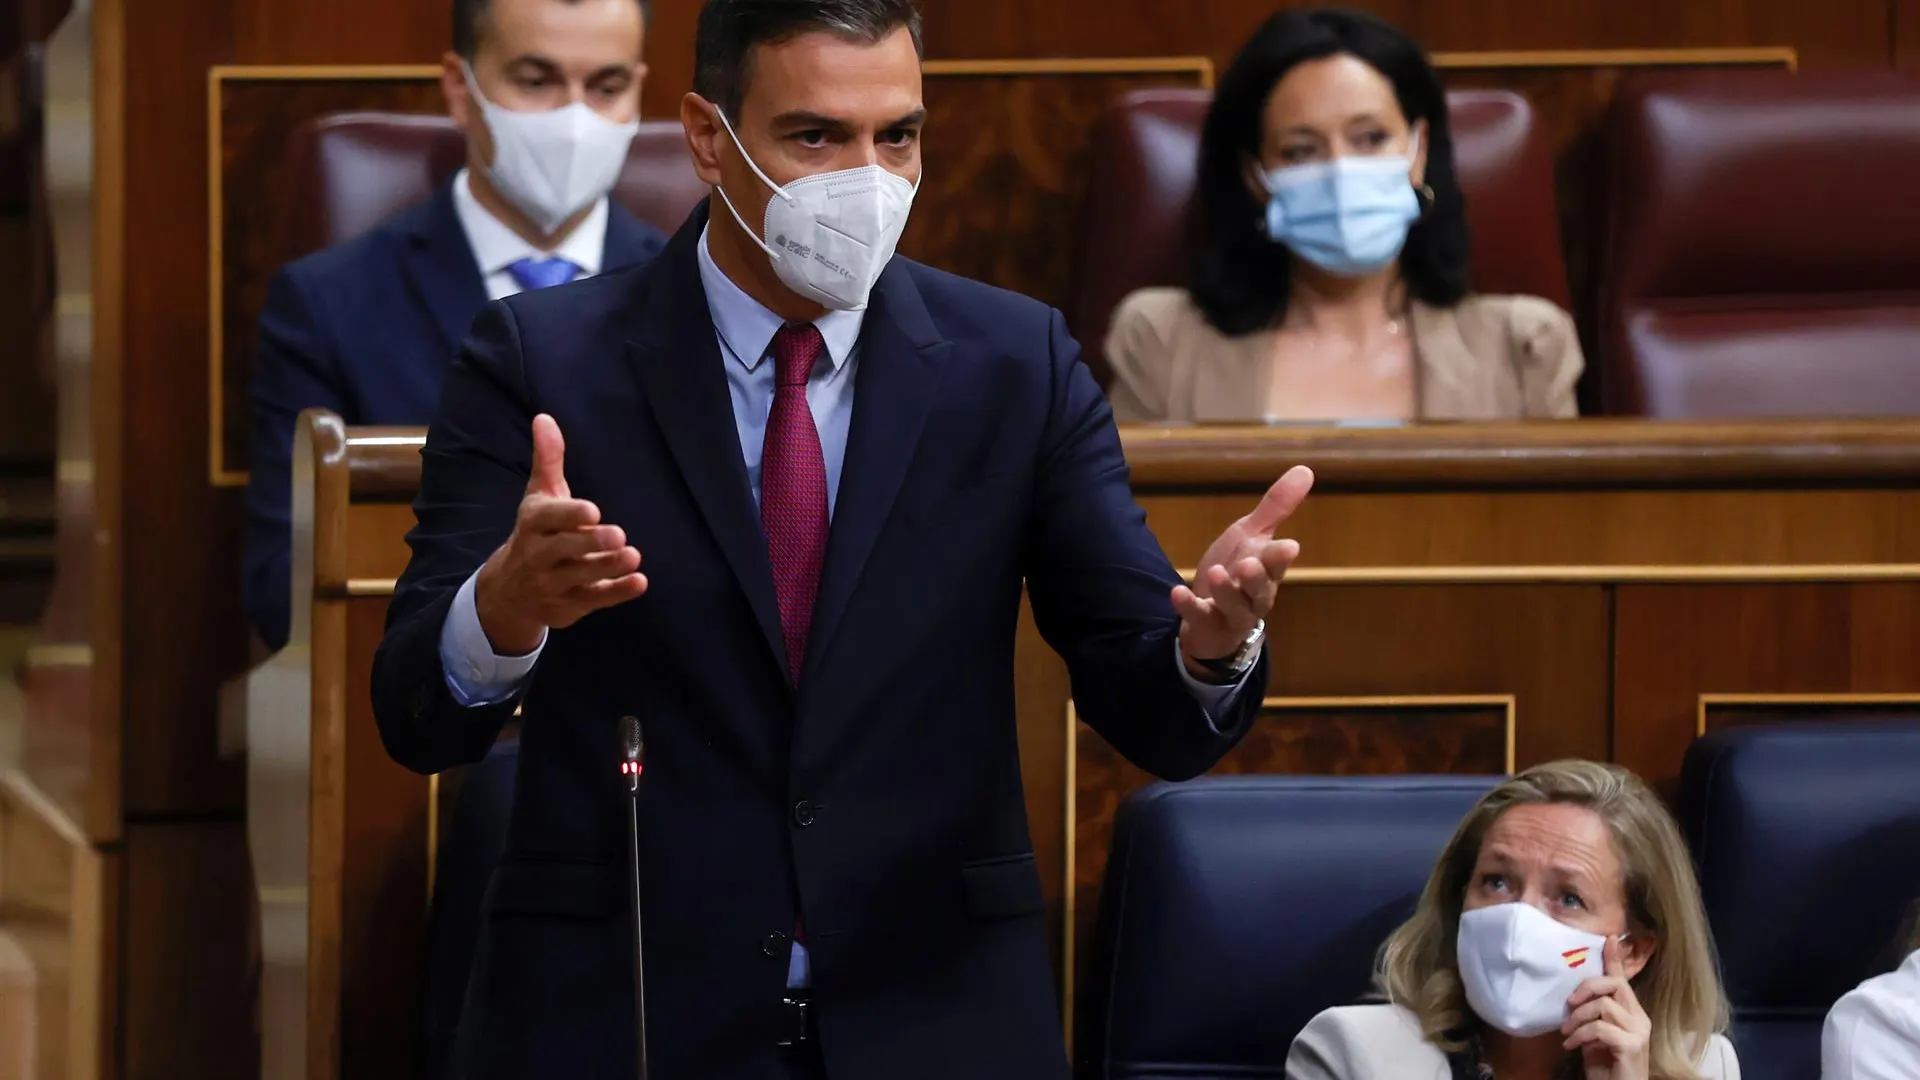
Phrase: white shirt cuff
{"type": "Point", "coordinates": [476, 675]}
{"type": "Point", "coordinates": [1214, 700]}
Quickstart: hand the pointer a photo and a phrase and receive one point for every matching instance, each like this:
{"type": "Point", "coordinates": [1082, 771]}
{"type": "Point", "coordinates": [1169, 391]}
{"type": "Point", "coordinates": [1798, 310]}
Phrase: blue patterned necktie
{"type": "Point", "coordinates": [531, 274]}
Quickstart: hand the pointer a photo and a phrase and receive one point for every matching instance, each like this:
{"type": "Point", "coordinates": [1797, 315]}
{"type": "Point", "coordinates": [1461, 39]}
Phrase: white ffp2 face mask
{"type": "Point", "coordinates": [553, 164]}
{"type": "Point", "coordinates": [1519, 966]}
{"type": "Point", "coordinates": [829, 235]}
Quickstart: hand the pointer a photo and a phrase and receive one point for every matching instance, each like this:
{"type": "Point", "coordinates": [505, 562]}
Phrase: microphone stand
{"type": "Point", "coordinates": [632, 760]}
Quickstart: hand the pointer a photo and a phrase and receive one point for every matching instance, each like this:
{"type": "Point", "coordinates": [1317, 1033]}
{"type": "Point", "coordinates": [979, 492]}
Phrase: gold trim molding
{"type": "Point", "coordinates": [1624, 574]}
{"type": "Point", "coordinates": [1586, 574]}
{"type": "Point", "coordinates": [1708, 702]}
{"type": "Point", "coordinates": [1766, 56]}
{"type": "Point", "coordinates": [219, 73]}
{"type": "Point", "coordinates": [1199, 66]}
{"type": "Point", "coordinates": [51, 655]}
{"type": "Point", "coordinates": [1069, 892]}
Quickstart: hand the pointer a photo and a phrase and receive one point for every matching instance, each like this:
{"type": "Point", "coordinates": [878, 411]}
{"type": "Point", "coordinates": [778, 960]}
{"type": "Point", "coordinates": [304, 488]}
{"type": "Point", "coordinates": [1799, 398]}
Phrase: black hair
{"type": "Point", "coordinates": [470, 21]}
{"type": "Point", "coordinates": [1240, 279]}
{"type": "Point", "coordinates": [730, 29]}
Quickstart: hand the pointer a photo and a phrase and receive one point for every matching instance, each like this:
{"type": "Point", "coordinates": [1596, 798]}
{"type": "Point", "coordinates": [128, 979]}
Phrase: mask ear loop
{"type": "Point", "coordinates": [473, 85]}
{"type": "Point", "coordinates": [779, 192]}
{"type": "Point", "coordinates": [721, 115]}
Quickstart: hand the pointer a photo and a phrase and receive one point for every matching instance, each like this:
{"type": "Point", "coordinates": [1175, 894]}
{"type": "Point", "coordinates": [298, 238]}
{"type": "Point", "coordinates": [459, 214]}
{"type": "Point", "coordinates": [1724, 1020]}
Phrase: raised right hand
{"type": "Point", "coordinates": [559, 564]}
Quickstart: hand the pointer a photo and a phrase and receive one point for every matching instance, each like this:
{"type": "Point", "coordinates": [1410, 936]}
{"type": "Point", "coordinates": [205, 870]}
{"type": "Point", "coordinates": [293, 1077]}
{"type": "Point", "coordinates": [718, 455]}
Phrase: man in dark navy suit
{"type": "Point", "coordinates": [840, 468]}
{"type": "Point", "coordinates": [548, 93]}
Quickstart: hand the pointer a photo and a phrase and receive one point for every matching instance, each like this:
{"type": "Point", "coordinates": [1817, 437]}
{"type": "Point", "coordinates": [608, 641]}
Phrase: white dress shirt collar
{"type": "Point", "coordinates": [496, 247]}
{"type": "Point", "coordinates": [747, 326]}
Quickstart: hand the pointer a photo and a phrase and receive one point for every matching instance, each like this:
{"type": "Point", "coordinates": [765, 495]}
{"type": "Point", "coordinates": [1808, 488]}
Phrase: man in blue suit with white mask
{"type": "Point", "coordinates": [840, 468]}
{"type": "Point", "coordinates": [548, 95]}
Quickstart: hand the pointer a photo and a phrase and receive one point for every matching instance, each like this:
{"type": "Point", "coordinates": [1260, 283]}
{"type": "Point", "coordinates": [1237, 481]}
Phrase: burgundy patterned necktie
{"type": "Point", "coordinates": [793, 488]}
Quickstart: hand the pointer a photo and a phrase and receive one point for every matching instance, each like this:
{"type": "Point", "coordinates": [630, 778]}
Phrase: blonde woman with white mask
{"type": "Point", "coordinates": [1561, 935]}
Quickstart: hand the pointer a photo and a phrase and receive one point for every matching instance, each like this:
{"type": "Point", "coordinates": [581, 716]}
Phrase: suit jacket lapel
{"type": "Point", "coordinates": [678, 360]}
{"type": "Point", "coordinates": [442, 268]}
{"type": "Point", "coordinates": [900, 355]}
{"type": "Point", "coordinates": [628, 241]}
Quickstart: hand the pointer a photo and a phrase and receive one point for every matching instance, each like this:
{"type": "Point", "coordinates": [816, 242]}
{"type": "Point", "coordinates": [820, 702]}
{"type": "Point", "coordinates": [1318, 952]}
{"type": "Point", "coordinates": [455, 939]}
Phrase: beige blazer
{"type": "Point", "coordinates": [1374, 1042]}
{"type": "Point", "coordinates": [1486, 358]}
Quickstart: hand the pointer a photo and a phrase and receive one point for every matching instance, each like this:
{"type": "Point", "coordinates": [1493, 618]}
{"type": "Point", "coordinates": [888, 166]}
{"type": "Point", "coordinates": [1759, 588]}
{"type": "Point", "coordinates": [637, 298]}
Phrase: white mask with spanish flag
{"type": "Point", "coordinates": [1520, 965]}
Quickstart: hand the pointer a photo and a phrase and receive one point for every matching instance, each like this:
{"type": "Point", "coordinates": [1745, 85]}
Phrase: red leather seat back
{"type": "Point", "coordinates": [347, 172]}
{"type": "Point", "coordinates": [1135, 226]}
{"type": "Point", "coordinates": [1763, 247]}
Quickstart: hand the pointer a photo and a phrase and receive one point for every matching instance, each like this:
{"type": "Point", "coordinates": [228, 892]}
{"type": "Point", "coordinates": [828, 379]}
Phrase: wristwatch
{"type": "Point", "coordinates": [1229, 668]}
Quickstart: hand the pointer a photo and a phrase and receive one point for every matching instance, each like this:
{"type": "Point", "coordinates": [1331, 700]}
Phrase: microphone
{"type": "Point", "coordinates": [632, 760]}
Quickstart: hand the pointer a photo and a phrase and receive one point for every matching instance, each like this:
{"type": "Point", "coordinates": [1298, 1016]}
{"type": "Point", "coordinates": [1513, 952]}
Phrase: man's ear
{"type": "Point", "coordinates": [465, 111]}
{"type": "Point", "coordinates": [703, 137]}
{"type": "Point", "coordinates": [453, 86]}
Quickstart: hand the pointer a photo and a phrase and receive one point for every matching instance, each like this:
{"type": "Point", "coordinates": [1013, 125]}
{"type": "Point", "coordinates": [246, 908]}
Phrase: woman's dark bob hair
{"type": "Point", "coordinates": [1240, 280]}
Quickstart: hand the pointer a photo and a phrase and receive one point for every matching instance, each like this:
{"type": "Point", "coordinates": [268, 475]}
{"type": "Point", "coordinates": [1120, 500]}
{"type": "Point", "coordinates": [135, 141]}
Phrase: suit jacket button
{"type": "Point", "coordinates": [803, 813]}
{"type": "Point", "coordinates": [774, 945]}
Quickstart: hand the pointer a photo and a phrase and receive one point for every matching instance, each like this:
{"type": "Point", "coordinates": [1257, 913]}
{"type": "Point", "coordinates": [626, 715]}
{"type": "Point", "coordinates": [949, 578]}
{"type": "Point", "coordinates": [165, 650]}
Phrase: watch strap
{"type": "Point", "coordinates": [1237, 663]}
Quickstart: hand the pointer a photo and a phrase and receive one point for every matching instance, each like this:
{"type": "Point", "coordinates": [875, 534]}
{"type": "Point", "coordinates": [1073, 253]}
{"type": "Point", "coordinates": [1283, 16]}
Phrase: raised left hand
{"type": "Point", "coordinates": [1235, 584]}
{"type": "Point", "coordinates": [1607, 1025]}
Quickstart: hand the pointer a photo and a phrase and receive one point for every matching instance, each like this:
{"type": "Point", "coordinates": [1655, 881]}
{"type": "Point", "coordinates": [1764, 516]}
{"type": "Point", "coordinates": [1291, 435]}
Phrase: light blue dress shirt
{"type": "Point", "coordinates": [476, 675]}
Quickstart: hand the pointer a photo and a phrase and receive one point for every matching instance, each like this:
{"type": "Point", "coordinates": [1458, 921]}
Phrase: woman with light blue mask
{"type": "Point", "coordinates": [1330, 283]}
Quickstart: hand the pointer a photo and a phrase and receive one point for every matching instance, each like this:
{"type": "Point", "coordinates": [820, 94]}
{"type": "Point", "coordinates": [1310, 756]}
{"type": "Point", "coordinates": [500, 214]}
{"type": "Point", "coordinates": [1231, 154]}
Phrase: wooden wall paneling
{"type": "Point", "coordinates": [1906, 34]}
{"type": "Point", "coordinates": [1674, 644]}
{"type": "Point", "coordinates": [1354, 537]}
{"type": "Point", "coordinates": [1006, 158]}
{"type": "Point", "coordinates": [187, 975]}
{"type": "Point", "coordinates": [1723, 711]}
{"type": "Point", "coordinates": [186, 621]}
{"type": "Point", "coordinates": [90, 471]}
{"type": "Point", "coordinates": [341, 32]}
{"type": "Point", "coordinates": [93, 974]}
{"type": "Point", "coordinates": [386, 831]}
{"type": "Point", "coordinates": [184, 632]}
{"type": "Point", "coordinates": [1046, 774]}
{"type": "Point", "coordinates": [1843, 33]}
{"type": "Point", "coordinates": [669, 52]}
